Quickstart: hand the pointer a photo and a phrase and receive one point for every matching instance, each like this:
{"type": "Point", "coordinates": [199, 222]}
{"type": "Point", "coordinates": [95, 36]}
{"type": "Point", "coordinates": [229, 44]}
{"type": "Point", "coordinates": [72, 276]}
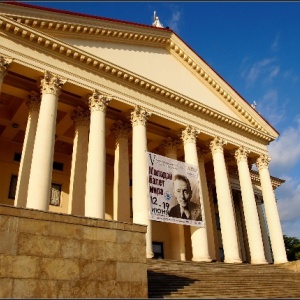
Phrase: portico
{"type": "Point", "coordinates": [98, 119]}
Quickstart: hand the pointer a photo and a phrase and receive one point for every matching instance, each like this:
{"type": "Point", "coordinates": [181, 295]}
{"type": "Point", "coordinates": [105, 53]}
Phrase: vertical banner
{"type": "Point", "coordinates": [173, 191]}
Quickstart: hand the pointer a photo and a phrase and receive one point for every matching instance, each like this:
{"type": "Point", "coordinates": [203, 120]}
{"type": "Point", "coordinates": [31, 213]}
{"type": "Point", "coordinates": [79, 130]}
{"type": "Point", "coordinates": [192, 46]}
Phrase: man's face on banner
{"type": "Point", "coordinates": [181, 192]}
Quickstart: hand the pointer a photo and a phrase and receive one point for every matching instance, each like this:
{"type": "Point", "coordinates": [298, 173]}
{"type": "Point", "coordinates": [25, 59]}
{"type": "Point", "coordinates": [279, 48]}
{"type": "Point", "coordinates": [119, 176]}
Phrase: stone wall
{"type": "Point", "coordinates": [52, 255]}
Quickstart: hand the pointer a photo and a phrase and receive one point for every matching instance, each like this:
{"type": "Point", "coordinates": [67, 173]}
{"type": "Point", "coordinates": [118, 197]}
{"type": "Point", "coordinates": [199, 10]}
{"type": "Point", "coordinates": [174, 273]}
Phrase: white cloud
{"type": "Point", "coordinates": [275, 44]}
{"type": "Point", "coordinates": [174, 22]}
{"type": "Point", "coordinates": [288, 196]}
{"type": "Point", "coordinates": [257, 69]}
{"type": "Point", "coordinates": [284, 157]}
{"type": "Point", "coordinates": [269, 107]}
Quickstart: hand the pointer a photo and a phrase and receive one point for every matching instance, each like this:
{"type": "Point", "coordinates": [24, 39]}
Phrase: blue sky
{"type": "Point", "coordinates": [255, 47]}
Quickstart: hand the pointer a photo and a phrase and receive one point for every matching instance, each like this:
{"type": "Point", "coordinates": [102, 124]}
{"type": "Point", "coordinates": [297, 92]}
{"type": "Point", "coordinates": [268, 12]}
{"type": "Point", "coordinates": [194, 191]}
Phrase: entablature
{"type": "Point", "coordinates": [109, 70]}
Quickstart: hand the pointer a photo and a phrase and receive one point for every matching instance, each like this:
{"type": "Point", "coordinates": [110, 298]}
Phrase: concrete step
{"type": "Point", "coordinates": [176, 279]}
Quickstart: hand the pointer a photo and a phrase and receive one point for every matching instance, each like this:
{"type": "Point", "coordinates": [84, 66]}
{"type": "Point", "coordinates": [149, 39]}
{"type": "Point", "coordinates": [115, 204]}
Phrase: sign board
{"type": "Point", "coordinates": [173, 191]}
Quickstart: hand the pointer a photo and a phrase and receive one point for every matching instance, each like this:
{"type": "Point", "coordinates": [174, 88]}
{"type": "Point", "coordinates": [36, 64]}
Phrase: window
{"type": "Point", "coordinates": [55, 194]}
{"type": "Point", "coordinates": [158, 249]}
{"type": "Point", "coordinates": [58, 166]}
{"type": "Point", "coordinates": [17, 157]}
{"type": "Point", "coordinates": [12, 186]}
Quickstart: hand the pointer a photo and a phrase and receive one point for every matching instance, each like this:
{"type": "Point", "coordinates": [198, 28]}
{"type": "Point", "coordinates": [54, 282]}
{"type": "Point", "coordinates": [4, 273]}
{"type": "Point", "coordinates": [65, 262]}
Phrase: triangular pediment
{"type": "Point", "coordinates": [158, 58]}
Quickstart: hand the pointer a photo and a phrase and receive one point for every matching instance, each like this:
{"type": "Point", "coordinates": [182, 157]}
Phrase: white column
{"type": "Point", "coordinates": [225, 203]}
{"type": "Point", "coordinates": [250, 211]}
{"type": "Point", "coordinates": [33, 104]}
{"type": "Point", "coordinates": [4, 65]}
{"type": "Point", "coordinates": [81, 120]}
{"type": "Point", "coordinates": [264, 231]}
{"type": "Point", "coordinates": [121, 195]}
{"type": "Point", "coordinates": [42, 158]}
{"type": "Point", "coordinates": [273, 220]}
{"type": "Point", "coordinates": [169, 147]}
{"type": "Point", "coordinates": [206, 201]}
{"type": "Point", "coordinates": [140, 193]}
{"type": "Point", "coordinates": [95, 173]}
{"type": "Point", "coordinates": [198, 234]}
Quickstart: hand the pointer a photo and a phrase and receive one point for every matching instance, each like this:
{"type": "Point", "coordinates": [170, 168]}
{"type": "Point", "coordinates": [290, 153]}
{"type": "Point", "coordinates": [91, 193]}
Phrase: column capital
{"type": "Point", "coordinates": [34, 101]}
{"type": "Point", "coordinates": [51, 84]}
{"type": "Point", "coordinates": [189, 134]}
{"type": "Point", "coordinates": [201, 152]}
{"type": "Point", "coordinates": [263, 161]}
{"type": "Point", "coordinates": [170, 145]}
{"type": "Point", "coordinates": [139, 116]}
{"type": "Point", "coordinates": [120, 129]}
{"type": "Point", "coordinates": [98, 102]}
{"type": "Point", "coordinates": [80, 116]}
{"type": "Point", "coordinates": [241, 154]}
{"type": "Point", "coordinates": [4, 65]}
{"type": "Point", "coordinates": [216, 145]}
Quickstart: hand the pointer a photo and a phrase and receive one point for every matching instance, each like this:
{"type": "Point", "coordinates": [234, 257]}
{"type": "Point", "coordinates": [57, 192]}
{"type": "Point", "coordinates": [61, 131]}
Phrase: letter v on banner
{"type": "Point", "coordinates": [152, 159]}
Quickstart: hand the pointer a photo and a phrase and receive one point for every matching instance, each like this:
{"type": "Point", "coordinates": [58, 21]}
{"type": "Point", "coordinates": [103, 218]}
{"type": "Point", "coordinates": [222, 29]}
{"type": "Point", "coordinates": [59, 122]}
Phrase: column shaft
{"type": "Point", "coordinates": [198, 234]}
{"type": "Point", "coordinates": [121, 193]}
{"type": "Point", "coordinates": [42, 158]}
{"type": "Point", "coordinates": [96, 165]}
{"type": "Point", "coordinates": [265, 235]}
{"type": "Point", "coordinates": [140, 194]}
{"type": "Point", "coordinates": [273, 220]}
{"type": "Point", "coordinates": [250, 210]}
{"type": "Point", "coordinates": [225, 204]}
{"type": "Point", "coordinates": [207, 206]}
{"type": "Point", "coordinates": [24, 170]}
{"type": "Point", "coordinates": [80, 118]}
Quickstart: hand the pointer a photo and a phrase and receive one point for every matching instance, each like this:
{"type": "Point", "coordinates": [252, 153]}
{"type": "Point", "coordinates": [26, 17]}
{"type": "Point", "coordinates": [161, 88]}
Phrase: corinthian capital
{"type": "Point", "coordinates": [241, 154]}
{"type": "Point", "coordinates": [201, 152]}
{"type": "Point", "coordinates": [120, 130]}
{"type": "Point", "coordinates": [216, 145]}
{"type": "Point", "coordinates": [34, 101]}
{"type": "Point", "coordinates": [98, 101]}
{"type": "Point", "coordinates": [80, 116]}
{"type": "Point", "coordinates": [139, 116]}
{"type": "Point", "coordinates": [170, 145]}
{"type": "Point", "coordinates": [189, 134]}
{"type": "Point", "coordinates": [4, 65]}
{"type": "Point", "coordinates": [263, 162]}
{"type": "Point", "coordinates": [52, 84]}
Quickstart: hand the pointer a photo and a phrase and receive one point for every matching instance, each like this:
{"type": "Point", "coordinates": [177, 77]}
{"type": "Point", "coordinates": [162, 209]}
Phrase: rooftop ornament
{"type": "Point", "coordinates": [156, 22]}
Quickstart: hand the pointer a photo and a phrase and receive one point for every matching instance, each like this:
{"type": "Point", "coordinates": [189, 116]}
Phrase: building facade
{"type": "Point", "coordinates": [84, 98]}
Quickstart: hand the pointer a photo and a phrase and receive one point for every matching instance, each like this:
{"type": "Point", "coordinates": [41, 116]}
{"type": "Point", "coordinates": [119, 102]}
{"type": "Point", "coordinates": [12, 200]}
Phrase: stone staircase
{"type": "Point", "coordinates": [176, 279]}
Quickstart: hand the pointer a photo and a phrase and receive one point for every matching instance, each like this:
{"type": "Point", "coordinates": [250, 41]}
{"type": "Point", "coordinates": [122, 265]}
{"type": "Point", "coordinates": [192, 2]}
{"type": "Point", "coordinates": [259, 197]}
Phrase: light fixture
{"type": "Point", "coordinates": [15, 125]}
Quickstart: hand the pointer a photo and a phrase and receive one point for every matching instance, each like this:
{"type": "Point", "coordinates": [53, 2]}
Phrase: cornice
{"type": "Point", "coordinates": [108, 69]}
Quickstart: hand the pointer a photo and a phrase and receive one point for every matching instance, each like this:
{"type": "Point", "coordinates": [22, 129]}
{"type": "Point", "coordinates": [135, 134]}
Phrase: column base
{"type": "Point", "coordinates": [280, 261]}
{"type": "Point", "coordinates": [202, 259]}
{"type": "Point", "coordinates": [233, 261]}
{"type": "Point", "coordinates": [264, 262]}
{"type": "Point", "coordinates": [149, 255]}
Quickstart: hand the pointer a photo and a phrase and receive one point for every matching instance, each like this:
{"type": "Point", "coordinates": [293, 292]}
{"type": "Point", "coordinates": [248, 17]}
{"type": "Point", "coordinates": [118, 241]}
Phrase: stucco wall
{"type": "Point", "coordinates": [46, 254]}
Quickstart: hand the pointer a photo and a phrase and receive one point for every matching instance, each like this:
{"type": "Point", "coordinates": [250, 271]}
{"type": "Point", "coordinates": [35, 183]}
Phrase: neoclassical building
{"type": "Point", "coordinates": [83, 98]}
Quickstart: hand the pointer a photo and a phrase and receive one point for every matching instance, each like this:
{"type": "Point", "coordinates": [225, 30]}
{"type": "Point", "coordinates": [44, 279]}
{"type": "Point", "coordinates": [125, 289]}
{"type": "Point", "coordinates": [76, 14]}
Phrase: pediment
{"type": "Point", "coordinates": [156, 60]}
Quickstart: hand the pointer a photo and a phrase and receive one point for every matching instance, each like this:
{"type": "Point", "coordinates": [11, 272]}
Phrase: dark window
{"type": "Point", "coordinates": [58, 166]}
{"type": "Point", "coordinates": [17, 157]}
{"type": "Point", "coordinates": [158, 249]}
{"type": "Point", "coordinates": [12, 186]}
